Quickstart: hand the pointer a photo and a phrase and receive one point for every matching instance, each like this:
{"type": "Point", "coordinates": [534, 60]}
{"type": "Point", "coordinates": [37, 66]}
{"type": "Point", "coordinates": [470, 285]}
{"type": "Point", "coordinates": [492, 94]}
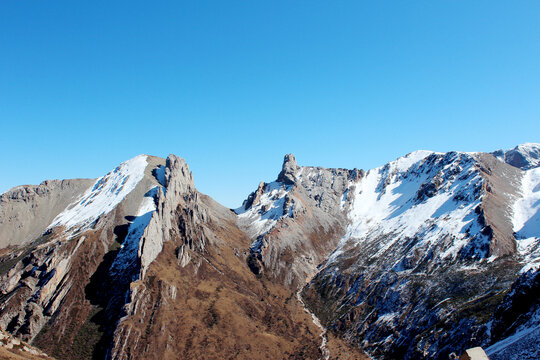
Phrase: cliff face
{"type": "Point", "coordinates": [426, 256]}
{"type": "Point", "coordinates": [53, 288]}
{"type": "Point", "coordinates": [429, 255]}
{"type": "Point", "coordinates": [295, 222]}
{"type": "Point", "coordinates": [26, 211]}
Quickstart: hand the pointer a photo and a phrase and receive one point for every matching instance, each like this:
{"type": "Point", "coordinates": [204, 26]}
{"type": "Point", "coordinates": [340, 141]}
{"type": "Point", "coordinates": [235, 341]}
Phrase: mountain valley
{"type": "Point", "coordinates": [424, 257]}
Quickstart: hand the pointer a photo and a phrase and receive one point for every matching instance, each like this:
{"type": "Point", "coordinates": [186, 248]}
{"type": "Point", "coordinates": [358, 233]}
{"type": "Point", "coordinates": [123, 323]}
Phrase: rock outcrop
{"type": "Point", "coordinates": [179, 192]}
{"type": "Point", "coordinates": [424, 257]}
{"type": "Point", "coordinates": [47, 288]}
{"type": "Point", "coordinates": [524, 156]}
{"type": "Point", "coordinates": [12, 348]}
{"type": "Point", "coordinates": [27, 210]}
{"type": "Point", "coordinates": [296, 221]}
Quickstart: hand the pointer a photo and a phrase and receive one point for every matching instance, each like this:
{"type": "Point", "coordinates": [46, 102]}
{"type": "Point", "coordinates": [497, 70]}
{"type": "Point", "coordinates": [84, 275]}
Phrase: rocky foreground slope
{"type": "Point", "coordinates": [421, 258]}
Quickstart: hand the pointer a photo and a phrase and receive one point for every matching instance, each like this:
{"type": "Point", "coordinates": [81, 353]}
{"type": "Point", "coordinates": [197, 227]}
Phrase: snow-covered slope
{"type": "Point", "coordinates": [127, 256]}
{"type": "Point", "coordinates": [525, 156]}
{"type": "Point", "coordinates": [428, 196]}
{"type": "Point", "coordinates": [105, 195]}
{"type": "Point", "coordinates": [526, 219]}
{"type": "Point", "coordinates": [266, 209]}
{"type": "Point", "coordinates": [425, 259]}
{"type": "Point", "coordinates": [524, 344]}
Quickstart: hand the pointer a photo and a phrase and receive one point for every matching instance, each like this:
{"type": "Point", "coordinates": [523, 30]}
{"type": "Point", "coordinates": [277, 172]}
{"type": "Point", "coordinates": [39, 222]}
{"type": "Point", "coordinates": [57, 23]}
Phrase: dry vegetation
{"type": "Point", "coordinates": [221, 311]}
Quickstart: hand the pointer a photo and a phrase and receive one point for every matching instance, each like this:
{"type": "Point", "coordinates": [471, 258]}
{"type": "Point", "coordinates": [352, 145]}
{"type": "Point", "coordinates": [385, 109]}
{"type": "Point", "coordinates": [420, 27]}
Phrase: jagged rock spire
{"type": "Point", "coordinates": [288, 171]}
{"type": "Point", "coordinates": [179, 187]}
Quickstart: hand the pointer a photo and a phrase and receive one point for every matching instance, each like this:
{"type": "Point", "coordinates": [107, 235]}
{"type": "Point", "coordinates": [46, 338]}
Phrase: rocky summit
{"type": "Point", "coordinates": [425, 257]}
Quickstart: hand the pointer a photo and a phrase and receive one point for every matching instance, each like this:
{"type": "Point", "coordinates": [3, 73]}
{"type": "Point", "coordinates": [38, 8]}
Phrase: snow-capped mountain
{"type": "Point", "coordinates": [525, 156]}
{"type": "Point", "coordinates": [431, 244]}
{"type": "Point", "coordinates": [139, 265]}
{"type": "Point", "coordinates": [423, 257]}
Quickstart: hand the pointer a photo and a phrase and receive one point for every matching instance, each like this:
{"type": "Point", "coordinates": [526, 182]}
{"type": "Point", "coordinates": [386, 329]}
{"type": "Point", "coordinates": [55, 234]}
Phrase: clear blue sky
{"type": "Point", "coordinates": [234, 85]}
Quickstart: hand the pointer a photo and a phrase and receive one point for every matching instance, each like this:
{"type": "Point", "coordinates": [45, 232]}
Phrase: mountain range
{"type": "Point", "coordinates": [424, 257]}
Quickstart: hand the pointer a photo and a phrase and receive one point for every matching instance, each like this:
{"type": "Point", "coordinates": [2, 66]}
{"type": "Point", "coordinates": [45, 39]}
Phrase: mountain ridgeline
{"type": "Point", "coordinates": [424, 257]}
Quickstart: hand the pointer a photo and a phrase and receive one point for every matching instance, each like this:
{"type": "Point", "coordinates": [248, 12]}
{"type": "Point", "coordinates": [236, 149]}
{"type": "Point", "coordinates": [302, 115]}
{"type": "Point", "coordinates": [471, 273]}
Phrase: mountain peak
{"type": "Point", "coordinates": [178, 168]}
{"type": "Point", "coordinates": [524, 156]}
{"type": "Point", "coordinates": [288, 170]}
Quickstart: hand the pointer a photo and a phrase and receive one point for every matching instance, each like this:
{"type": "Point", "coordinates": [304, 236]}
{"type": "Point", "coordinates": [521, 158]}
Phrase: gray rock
{"type": "Point", "coordinates": [289, 169]}
{"type": "Point", "coordinates": [27, 210]}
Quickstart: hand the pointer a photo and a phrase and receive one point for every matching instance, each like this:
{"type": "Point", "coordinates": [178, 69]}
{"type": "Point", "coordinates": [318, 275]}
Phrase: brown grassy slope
{"type": "Point", "coordinates": [58, 335]}
{"type": "Point", "coordinates": [10, 354]}
{"type": "Point", "coordinates": [341, 350]}
{"type": "Point", "coordinates": [214, 307]}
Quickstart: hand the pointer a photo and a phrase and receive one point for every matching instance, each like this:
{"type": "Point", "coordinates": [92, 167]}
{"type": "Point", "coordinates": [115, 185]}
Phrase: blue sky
{"type": "Point", "coordinates": [232, 86]}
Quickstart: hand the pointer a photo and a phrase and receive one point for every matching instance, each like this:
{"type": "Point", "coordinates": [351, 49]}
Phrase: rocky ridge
{"type": "Point", "coordinates": [296, 221]}
{"type": "Point", "coordinates": [423, 257]}
{"type": "Point", "coordinates": [428, 253]}
{"type": "Point", "coordinates": [25, 211]}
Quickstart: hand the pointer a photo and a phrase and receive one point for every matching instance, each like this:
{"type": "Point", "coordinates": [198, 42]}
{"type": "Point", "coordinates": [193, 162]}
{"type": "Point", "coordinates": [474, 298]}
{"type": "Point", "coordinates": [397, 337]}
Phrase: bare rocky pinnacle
{"type": "Point", "coordinates": [419, 258]}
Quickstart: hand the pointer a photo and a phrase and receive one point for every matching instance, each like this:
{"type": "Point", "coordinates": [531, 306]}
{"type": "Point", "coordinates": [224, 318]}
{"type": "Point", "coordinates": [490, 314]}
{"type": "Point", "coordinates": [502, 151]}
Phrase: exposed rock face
{"type": "Point", "coordinates": [12, 348]}
{"type": "Point", "coordinates": [26, 211]}
{"type": "Point", "coordinates": [287, 174]}
{"type": "Point", "coordinates": [501, 189]}
{"type": "Point", "coordinates": [424, 257]}
{"type": "Point", "coordinates": [524, 156]}
{"type": "Point", "coordinates": [296, 221]}
{"type": "Point", "coordinates": [180, 192]}
{"type": "Point", "coordinates": [47, 286]}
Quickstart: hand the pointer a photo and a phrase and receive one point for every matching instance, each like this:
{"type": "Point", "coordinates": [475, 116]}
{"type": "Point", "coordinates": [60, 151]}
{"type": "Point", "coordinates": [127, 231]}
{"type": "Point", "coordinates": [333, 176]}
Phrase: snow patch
{"type": "Point", "coordinates": [263, 215]}
{"type": "Point", "coordinates": [523, 344]}
{"type": "Point", "coordinates": [106, 193]}
{"type": "Point", "coordinates": [386, 202]}
{"type": "Point", "coordinates": [526, 219]}
{"type": "Point", "coordinates": [160, 175]}
{"type": "Point", "coordinates": [127, 257]}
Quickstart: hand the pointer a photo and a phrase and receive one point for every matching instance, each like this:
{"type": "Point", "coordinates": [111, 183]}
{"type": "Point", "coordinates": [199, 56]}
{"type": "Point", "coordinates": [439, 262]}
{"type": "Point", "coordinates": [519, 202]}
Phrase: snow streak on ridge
{"type": "Point", "coordinates": [263, 215]}
{"type": "Point", "coordinates": [127, 257]}
{"type": "Point", "coordinates": [107, 192]}
{"type": "Point", "coordinates": [526, 219]}
{"type": "Point", "coordinates": [424, 195]}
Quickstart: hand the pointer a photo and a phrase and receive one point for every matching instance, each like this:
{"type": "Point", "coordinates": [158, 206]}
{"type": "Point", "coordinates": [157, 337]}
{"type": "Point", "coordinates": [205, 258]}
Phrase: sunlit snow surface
{"type": "Point", "coordinates": [530, 153]}
{"type": "Point", "coordinates": [386, 204]}
{"type": "Point", "coordinates": [107, 192]}
{"type": "Point", "coordinates": [522, 345]}
{"type": "Point", "coordinates": [127, 257]}
{"type": "Point", "coordinates": [263, 215]}
{"type": "Point", "coordinates": [526, 219]}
